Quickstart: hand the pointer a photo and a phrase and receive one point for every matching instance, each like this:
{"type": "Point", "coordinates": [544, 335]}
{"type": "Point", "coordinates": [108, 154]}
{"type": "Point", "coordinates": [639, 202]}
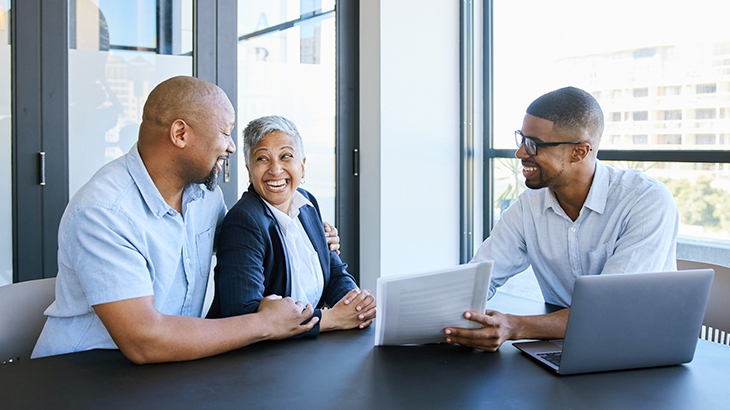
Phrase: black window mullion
{"type": "Point", "coordinates": [699, 156]}
{"type": "Point", "coordinates": [215, 52]}
{"type": "Point", "coordinates": [347, 134]}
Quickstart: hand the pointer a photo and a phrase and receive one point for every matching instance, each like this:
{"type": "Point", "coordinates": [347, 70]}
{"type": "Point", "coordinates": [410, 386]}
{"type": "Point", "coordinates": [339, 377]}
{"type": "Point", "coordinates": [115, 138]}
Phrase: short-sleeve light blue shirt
{"type": "Point", "coordinates": [118, 239]}
{"type": "Point", "coordinates": [628, 224]}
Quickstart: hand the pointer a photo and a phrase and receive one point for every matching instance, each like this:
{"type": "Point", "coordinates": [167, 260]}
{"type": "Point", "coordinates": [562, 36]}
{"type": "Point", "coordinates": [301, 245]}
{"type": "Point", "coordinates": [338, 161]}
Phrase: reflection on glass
{"type": "Point", "coordinates": [118, 52]}
{"type": "Point", "coordinates": [6, 194]}
{"type": "Point", "coordinates": [290, 71]}
{"type": "Point", "coordinates": [257, 15]}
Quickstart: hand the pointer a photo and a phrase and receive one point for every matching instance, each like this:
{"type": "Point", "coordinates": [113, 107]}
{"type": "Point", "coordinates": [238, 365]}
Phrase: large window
{"type": "Point", "coordinates": [664, 88]}
{"type": "Point", "coordinates": [118, 52]}
{"type": "Point", "coordinates": [286, 66]}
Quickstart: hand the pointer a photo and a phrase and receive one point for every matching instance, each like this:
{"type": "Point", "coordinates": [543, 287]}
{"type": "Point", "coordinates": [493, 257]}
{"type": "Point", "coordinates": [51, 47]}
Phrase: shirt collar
{"type": "Point", "coordinates": [298, 200]}
{"type": "Point", "coordinates": [597, 194]}
{"type": "Point", "coordinates": [147, 188]}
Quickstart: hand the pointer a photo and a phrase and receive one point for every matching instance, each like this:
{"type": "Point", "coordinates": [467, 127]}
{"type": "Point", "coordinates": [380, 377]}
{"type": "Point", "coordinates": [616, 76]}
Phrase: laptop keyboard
{"type": "Point", "coordinates": [552, 357]}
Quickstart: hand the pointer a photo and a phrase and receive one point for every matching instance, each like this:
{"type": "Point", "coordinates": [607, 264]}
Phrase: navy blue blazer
{"type": "Point", "coordinates": [253, 261]}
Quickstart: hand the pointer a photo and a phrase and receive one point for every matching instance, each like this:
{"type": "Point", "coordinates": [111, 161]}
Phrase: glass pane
{"type": "Point", "coordinates": [257, 15]}
{"type": "Point", "coordinates": [6, 196]}
{"type": "Point", "coordinates": [291, 72]}
{"type": "Point", "coordinates": [661, 73]}
{"type": "Point", "coordinates": [118, 52]}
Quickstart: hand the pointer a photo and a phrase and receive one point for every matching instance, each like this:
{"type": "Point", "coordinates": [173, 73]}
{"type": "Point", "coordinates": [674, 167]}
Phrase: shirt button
{"type": "Point", "coordinates": [575, 267]}
{"type": "Point", "coordinates": [187, 260]}
{"type": "Point", "coordinates": [572, 229]}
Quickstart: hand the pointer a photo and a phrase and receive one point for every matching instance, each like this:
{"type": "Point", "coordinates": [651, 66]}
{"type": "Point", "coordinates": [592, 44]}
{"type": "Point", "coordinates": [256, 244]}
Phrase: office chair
{"type": "Point", "coordinates": [21, 316]}
{"type": "Point", "coordinates": [716, 324]}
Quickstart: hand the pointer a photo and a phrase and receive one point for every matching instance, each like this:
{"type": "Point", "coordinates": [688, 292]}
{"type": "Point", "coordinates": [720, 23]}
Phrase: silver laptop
{"type": "Point", "coordinates": [628, 321]}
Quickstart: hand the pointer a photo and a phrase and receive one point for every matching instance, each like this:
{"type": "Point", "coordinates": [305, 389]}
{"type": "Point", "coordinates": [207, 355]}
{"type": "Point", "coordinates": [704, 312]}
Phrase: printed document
{"type": "Point", "coordinates": [415, 309]}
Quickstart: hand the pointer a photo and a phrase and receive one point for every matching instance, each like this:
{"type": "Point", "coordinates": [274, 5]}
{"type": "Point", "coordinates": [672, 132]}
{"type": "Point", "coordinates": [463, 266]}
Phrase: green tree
{"type": "Point", "coordinates": [700, 203]}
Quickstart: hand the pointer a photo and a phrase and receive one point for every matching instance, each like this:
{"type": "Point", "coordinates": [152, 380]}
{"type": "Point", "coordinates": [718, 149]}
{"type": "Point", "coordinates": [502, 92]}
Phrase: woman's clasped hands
{"type": "Point", "coordinates": [355, 310]}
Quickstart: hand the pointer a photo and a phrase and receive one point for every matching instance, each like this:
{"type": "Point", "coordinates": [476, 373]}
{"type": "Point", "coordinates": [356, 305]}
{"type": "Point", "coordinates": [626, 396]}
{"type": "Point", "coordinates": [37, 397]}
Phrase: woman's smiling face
{"type": "Point", "coordinates": [276, 169]}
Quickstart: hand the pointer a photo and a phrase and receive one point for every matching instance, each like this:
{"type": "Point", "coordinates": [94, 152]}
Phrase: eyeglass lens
{"type": "Point", "coordinates": [530, 146]}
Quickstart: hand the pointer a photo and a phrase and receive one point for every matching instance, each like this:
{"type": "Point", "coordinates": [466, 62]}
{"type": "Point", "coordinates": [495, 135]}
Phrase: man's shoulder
{"type": "Point", "coordinates": [106, 187]}
{"type": "Point", "coordinates": [636, 185]}
{"type": "Point", "coordinates": [635, 179]}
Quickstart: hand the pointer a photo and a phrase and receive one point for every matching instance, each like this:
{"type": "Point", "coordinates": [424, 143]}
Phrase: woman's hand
{"type": "Point", "coordinates": [355, 309]}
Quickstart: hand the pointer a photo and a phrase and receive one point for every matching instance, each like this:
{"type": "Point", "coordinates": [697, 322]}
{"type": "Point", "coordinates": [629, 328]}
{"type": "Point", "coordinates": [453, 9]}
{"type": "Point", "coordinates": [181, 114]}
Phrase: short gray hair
{"type": "Point", "coordinates": [259, 128]}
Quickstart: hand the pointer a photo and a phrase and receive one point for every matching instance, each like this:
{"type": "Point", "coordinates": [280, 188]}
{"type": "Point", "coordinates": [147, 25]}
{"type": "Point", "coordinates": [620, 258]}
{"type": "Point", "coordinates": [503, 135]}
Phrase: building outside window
{"type": "Point", "coordinates": [641, 92]}
{"type": "Point", "coordinates": [706, 88]}
{"type": "Point", "coordinates": [705, 113]}
{"type": "Point", "coordinates": [670, 139]}
{"type": "Point", "coordinates": [640, 115]}
{"type": "Point", "coordinates": [672, 115]}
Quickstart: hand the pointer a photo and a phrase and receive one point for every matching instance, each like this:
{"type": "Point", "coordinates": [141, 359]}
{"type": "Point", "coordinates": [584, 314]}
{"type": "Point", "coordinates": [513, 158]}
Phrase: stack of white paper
{"type": "Point", "coordinates": [415, 309]}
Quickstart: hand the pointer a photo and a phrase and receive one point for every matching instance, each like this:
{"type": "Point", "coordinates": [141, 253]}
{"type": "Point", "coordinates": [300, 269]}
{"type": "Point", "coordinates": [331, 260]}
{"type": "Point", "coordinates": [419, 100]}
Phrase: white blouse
{"type": "Point", "coordinates": [307, 280]}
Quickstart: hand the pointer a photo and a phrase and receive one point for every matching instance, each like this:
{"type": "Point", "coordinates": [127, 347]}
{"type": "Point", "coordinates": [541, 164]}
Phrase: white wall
{"type": "Point", "coordinates": [409, 137]}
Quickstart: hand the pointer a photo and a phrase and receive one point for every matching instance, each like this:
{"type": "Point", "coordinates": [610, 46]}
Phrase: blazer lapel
{"type": "Point", "coordinates": [280, 237]}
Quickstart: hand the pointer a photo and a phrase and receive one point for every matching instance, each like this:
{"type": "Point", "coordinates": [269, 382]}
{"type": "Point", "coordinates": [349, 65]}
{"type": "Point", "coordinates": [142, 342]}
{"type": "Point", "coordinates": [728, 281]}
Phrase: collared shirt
{"type": "Point", "coordinates": [307, 279]}
{"type": "Point", "coordinates": [628, 224]}
{"type": "Point", "coordinates": [119, 239]}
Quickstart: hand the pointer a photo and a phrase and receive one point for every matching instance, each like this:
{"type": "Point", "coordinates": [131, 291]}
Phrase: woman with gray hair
{"type": "Point", "coordinates": [273, 242]}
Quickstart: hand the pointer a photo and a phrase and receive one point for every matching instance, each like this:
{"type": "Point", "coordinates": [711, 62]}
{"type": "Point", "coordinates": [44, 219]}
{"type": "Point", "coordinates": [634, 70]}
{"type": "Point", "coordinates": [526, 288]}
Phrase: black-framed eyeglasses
{"type": "Point", "coordinates": [531, 143]}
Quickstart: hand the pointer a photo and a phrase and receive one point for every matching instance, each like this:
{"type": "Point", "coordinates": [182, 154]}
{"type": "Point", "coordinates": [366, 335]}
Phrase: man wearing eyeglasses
{"type": "Point", "coordinates": [579, 217]}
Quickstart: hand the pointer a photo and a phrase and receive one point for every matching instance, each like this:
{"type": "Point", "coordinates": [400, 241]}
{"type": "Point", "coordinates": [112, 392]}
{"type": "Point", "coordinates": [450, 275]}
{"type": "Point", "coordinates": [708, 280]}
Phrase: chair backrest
{"type": "Point", "coordinates": [21, 316]}
{"type": "Point", "coordinates": [717, 315]}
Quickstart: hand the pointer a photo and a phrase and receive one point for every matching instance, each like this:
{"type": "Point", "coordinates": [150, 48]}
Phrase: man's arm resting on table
{"type": "Point", "coordinates": [498, 327]}
{"type": "Point", "coordinates": [144, 335]}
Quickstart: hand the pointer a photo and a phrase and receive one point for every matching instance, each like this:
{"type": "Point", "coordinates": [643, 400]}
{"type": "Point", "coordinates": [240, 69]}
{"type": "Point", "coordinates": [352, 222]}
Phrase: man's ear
{"type": "Point", "coordinates": [580, 151]}
{"type": "Point", "coordinates": [179, 133]}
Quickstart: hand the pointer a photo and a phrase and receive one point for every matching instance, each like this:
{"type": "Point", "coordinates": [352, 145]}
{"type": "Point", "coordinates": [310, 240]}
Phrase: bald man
{"type": "Point", "coordinates": [135, 243]}
{"type": "Point", "coordinates": [579, 217]}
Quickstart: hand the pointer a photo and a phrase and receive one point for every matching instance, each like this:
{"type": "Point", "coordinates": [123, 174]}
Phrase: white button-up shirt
{"type": "Point", "coordinates": [307, 279]}
{"type": "Point", "coordinates": [628, 224]}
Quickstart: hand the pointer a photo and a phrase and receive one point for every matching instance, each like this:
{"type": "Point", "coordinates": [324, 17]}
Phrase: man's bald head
{"type": "Point", "coordinates": [185, 133]}
{"type": "Point", "coordinates": [182, 97]}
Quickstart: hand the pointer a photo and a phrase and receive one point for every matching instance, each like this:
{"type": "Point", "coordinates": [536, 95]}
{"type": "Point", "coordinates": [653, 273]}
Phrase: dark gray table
{"type": "Point", "coordinates": [343, 370]}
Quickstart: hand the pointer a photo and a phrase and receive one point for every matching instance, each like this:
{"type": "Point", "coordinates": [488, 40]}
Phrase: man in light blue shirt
{"type": "Point", "coordinates": [580, 217]}
{"type": "Point", "coordinates": [135, 243]}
